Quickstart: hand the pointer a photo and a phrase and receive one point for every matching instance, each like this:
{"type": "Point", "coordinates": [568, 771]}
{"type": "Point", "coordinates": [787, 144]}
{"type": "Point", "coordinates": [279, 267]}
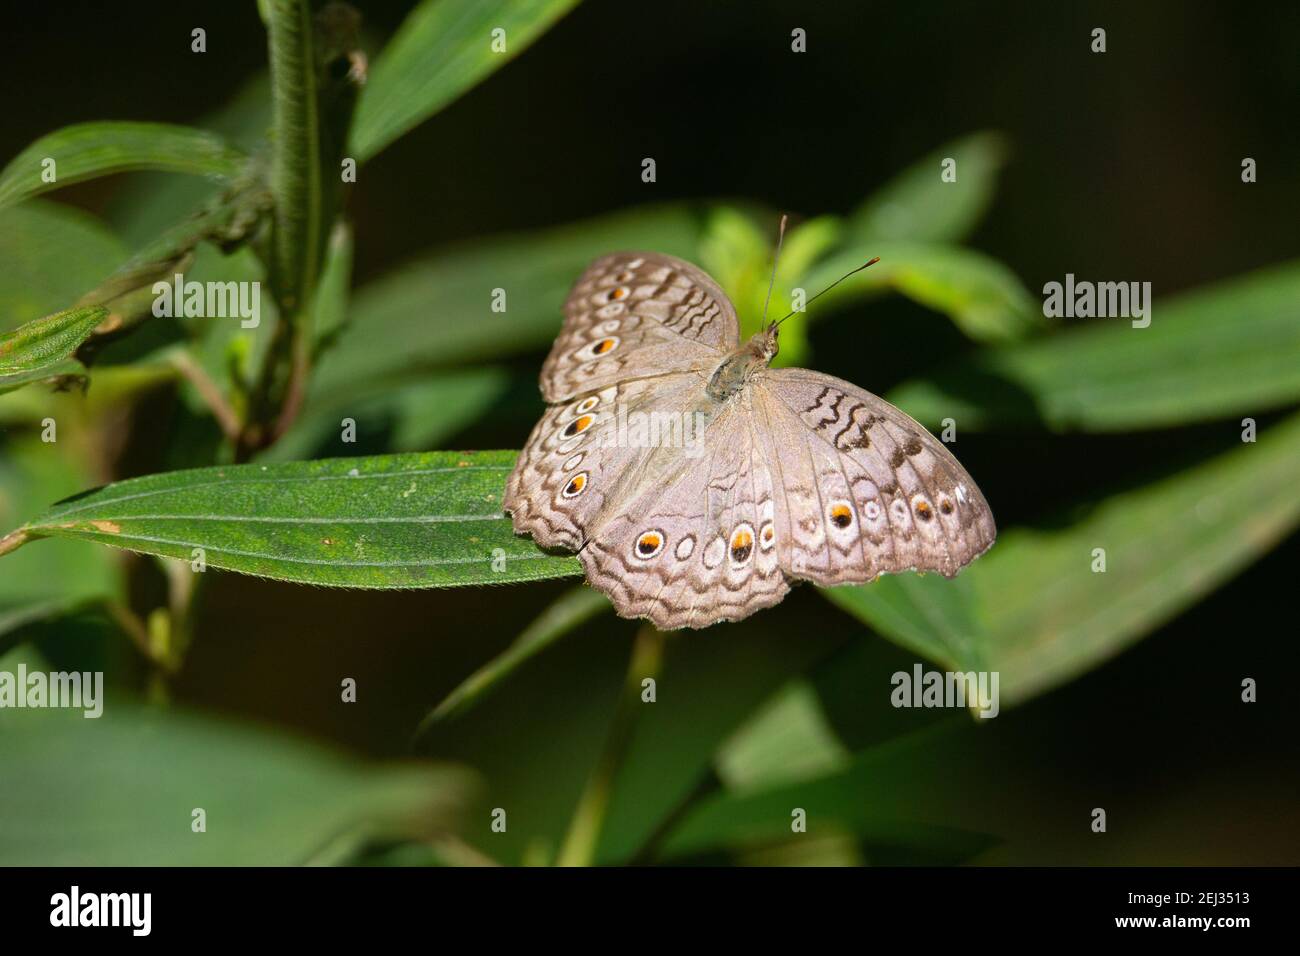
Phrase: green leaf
{"type": "Point", "coordinates": [1036, 612]}
{"type": "Point", "coordinates": [707, 689]}
{"type": "Point", "coordinates": [411, 416]}
{"type": "Point", "coordinates": [920, 612]}
{"type": "Point", "coordinates": [147, 203]}
{"type": "Point", "coordinates": [442, 50]}
{"type": "Point", "coordinates": [437, 311]}
{"type": "Point", "coordinates": [87, 150]}
{"type": "Point", "coordinates": [885, 798]}
{"type": "Point", "coordinates": [1231, 349]}
{"type": "Point", "coordinates": [330, 303]}
{"type": "Point", "coordinates": [65, 369]}
{"type": "Point", "coordinates": [573, 608]}
{"type": "Point", "coordinates": [268, 799]}
{"type": "Point", "coordinates": [787, 738]}
{"type": "Point", "coordinates": [917, 205]}
{"type": "Point", "coordinates": [31, 473]}
{"type": "Point", "coordinates": [45, 343]}
{"type": "Point", "coordinates": [983, 297]}
{"type": "Point", "coordinates": [52, 255]}
{"type": "Point", "coordinates": [393, 521]}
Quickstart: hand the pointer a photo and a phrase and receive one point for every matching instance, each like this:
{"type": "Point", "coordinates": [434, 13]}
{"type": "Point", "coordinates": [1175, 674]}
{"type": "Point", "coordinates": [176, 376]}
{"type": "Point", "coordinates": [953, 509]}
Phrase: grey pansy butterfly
{"type": "Point", "coordinates": [695, 482]}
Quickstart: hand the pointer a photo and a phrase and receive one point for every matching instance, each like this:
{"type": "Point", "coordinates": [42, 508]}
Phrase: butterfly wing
{"type": "Point", "coordinates": [634, 314]}
{"type": "Point", "coordinates": [865, 490]}
{"type": "Point", "coordinates": [697, 545]}
{"type": "Point", "coordinates": [578, 461]}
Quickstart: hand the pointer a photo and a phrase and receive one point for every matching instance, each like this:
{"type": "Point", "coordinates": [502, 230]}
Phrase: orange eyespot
{"type": "Point", "coordinates": [575, 485]}
{"type": "Point", "coordinates": [649, 544]}
{"type": "Point", "coordinates": [742, 545]}
{"type": "Point", "coordinates": [620, 293]}
{"type": "Point", "coordinates": [603, 346]}
{"type": "Point", "coordinates": [767, 535]}
{"type": "Point", "coordinates": [577, 426]}
{"type": "Point", "coordinates": [923, 511]}
{"type": "Point", "coordinates": [841, 515]}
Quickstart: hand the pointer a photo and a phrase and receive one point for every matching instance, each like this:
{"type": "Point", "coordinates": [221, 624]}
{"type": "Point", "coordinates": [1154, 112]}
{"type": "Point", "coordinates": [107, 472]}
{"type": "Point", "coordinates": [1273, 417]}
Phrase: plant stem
{"type": "Point", "coordinates": [580, 843]}
{"type": "Point", "coordinates": [299, 212]}
{"type": "Point", "coordinates": [209, 391]}
{"type": "Point", "coordinates": [13, 541]}
{"type": "Point", "coordinates": [295, 169]}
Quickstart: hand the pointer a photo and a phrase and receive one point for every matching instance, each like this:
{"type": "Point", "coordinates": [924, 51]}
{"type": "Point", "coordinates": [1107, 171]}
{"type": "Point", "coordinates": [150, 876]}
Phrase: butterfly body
{"type": "Point", "coordinates": [696, 482]}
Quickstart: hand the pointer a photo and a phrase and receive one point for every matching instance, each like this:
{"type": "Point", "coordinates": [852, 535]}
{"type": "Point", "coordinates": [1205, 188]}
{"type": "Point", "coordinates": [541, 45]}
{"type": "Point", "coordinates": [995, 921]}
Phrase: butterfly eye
{"type": "Point", "coordinates": [575, 486]}
{"type": "Point", "coordinates": [742, 544]}
{"type": "Point", "coordinates": [649, 544]}
{"type": "Point", "coordinates": [841, 515]}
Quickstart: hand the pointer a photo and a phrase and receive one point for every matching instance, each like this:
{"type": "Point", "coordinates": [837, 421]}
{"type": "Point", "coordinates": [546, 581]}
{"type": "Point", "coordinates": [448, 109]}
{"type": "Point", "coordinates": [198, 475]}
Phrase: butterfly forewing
{"type": "Point", "coordinates": [637, 314]}
{"type": "Point", "coordinates": [575, 462]}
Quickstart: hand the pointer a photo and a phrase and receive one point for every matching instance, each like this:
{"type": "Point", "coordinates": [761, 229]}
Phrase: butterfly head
{"type": "Point", "coordinates": [765, 344]}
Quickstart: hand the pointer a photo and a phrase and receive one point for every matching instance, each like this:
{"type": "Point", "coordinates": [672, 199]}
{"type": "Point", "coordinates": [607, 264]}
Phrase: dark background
{"type": "Point", "coordinates": [1124, 166]}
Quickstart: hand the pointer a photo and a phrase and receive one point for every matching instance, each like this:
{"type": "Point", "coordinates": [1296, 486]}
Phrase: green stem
{"type": "Point", "coordinates": [580, 843]}
{"type": "Point", "coordinates": [299, 207]}
{"type": "Point", "coordinates": [295, 164]}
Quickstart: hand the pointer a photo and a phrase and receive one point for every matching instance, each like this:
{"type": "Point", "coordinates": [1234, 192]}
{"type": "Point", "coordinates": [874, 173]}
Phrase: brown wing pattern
{"type": "Point", "coordinates": [633, 314]}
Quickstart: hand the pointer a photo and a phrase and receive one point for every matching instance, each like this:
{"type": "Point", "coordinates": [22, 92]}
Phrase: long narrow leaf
{"type": "Point", "coordinates": [265, 798]}
{"type": "Point", "coordinates": [1232, 349]}
{"type": "Point", "coordinates": [88, 150]}
{"type": "Point", "coordinates": [931, 201]}
{"type": "Point", "coordinates": [393, 521]}
{"type": "Point", "coordinates": [444, 48]}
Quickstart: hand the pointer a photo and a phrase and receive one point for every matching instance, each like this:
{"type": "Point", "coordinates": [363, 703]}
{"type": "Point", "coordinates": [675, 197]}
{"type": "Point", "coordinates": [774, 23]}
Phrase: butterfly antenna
{"type": "Point", "coordinates": [869, 262]}
{"type": "Point", "coordinates": [780, 238]}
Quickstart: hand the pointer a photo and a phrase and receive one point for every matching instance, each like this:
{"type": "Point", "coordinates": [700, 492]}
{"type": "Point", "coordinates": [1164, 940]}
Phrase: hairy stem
{"type": "Point", "coordinates": [299, 211]}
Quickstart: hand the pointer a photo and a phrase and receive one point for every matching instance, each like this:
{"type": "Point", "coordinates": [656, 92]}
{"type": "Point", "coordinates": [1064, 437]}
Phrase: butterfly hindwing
{"type": "Point", "coordinates": [868, 490]}
{"type": "Point", "coordinates": [635, 314]}
{"type": "Point", "coordinates": [697, 546]}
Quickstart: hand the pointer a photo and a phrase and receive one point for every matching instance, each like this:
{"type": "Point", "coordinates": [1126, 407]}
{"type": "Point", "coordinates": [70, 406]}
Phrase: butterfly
{"type": "Point", "coordinates": [696, 482]}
